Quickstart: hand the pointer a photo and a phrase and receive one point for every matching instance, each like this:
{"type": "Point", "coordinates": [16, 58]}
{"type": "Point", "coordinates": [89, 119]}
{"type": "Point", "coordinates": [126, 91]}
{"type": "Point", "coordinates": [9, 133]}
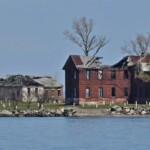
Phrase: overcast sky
{"type": "Point", "coordinates": [31, 31]}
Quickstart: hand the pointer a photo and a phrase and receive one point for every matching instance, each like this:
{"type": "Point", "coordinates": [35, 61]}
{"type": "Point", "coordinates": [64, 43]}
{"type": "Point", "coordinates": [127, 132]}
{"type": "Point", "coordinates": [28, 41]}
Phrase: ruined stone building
{"type": "Point", "coordinates": [19, 87]}
{"type": "Point", "coordinates": [87, 80]}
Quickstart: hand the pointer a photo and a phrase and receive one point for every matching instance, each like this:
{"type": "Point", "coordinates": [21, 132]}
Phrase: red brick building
{"type": "Point", "coordinates": [87, 80]}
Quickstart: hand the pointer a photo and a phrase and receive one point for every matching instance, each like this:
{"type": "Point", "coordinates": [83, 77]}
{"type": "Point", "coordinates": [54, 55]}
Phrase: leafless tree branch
{"type": "Point", "coordinates": [82, 36]}
{"type": "Point", "coordinates": [139, 45]}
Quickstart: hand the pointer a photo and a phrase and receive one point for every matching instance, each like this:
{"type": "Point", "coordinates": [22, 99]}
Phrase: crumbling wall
{"type": "Point", "coordinates": [33, 93]}
{"type": "Point", "coordinates": [10, 93]}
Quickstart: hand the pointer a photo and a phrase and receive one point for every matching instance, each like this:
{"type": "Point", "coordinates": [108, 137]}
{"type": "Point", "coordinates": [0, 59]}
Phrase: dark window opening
{"type": "Point", "coordinates": [36, 91]}
{"type": "Point", "coordinates": [113, 91]}
{"type": "Point", "coordinates": [59, 93]}
{"type": "Point", "coordinates": [113, 74]}
{"type": "Point", "coordinates": [29, 92]}
{"type": "Point", "coordinates": [125, 74]}
{"type": "Point", "coordinates": [126, 92]}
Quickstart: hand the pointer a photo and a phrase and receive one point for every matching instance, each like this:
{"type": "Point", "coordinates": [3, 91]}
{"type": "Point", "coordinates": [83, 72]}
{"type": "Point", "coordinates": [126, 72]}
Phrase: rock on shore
{"type": "Point", "coordinates": [66, 112]}
{"type": "Point", "coordinates": [130, 111]}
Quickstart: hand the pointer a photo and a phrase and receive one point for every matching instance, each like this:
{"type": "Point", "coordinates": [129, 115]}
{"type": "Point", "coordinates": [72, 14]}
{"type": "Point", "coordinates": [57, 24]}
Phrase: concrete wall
{"type": "Point", "coordinates": [33, 95]}
{"type": "Point", "coordinates": [11, 93]}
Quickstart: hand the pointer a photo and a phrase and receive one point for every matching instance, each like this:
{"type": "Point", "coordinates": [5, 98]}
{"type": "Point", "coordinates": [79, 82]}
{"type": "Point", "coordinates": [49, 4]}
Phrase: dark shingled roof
{"type": "Point", "coordinates": [18, 80]}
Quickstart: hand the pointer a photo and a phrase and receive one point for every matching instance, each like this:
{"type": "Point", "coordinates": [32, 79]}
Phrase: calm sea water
{"type": "Point", "coordinates": [98, 133]}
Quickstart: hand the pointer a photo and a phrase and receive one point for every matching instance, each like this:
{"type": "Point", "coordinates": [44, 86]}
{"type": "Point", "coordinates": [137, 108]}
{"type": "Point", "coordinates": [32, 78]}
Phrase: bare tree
{"type": "Point", "coordinates": [40, 99]}
{"type": "Point", "coordinates": [140, 45]}
{"type": "Point", "coordinates": [83, 37]}
{"type": "Point", "coordinates": [30, 99]}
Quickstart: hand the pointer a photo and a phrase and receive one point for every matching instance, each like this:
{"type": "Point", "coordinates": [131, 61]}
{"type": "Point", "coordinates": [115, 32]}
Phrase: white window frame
{"type": "Point", "coordinates": [88, 74]}
{"type": "Point", "coordinates": [100, 92]}
{"type": "Point", "coordinates": [87, 92]}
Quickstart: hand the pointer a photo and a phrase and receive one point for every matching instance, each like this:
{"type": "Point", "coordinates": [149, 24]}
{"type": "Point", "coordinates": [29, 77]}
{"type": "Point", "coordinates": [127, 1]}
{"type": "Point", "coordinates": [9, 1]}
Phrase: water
{"type": "Point", "coordinates": [98, 133]}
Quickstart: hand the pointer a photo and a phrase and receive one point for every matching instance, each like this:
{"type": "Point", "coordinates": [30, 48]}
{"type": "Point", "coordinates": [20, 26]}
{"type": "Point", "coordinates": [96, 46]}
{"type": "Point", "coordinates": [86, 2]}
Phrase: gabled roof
{"type": "Point", "coordinates": [46, 81]}
{"type": "Point", "coordinates": [76, 59]}
{"type": "Point", "coordinates": [86, 62]}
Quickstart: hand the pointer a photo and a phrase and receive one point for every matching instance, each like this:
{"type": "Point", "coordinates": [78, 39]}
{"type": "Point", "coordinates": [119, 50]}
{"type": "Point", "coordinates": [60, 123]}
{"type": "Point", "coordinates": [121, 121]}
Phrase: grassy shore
{"type": "Point", "coordinates": [10, 105]}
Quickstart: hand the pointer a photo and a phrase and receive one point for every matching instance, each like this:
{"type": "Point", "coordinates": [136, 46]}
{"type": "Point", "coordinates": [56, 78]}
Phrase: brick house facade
{"type": "Point", "coordinates": [87, 80]}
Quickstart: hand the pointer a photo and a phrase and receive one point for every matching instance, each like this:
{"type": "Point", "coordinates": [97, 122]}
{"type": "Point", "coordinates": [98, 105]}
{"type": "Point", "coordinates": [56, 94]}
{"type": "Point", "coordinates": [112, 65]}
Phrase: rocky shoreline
{"type": "Point", "coordinates": [61, 112]}
{"type": "Point", "coordinates": [129, 111]}
{"type": "Point", "coordinates": [79, 112]}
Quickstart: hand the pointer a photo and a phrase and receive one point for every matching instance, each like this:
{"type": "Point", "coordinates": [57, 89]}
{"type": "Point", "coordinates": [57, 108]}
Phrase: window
{"type": "Point", "coordinates": [113, 91]}
{"type": "Point", "coordinates": [29, 92]}
{"type": "Point", "coordinates": [59, 93]}
{"type": "Point", "coordinates": [87, 92]}
{"type": "Point", "coordinates": [75, 75]}
{"type": "Point", "coordinates": [125, 74]}
{"type": "Point", "coordinates": [36, 91]}
{"type": "Point", "coordinates": [53, 92]}
{"type": "Point", "coordinates": [100, 92]}
{"type": "Point", "coordinates": [75, 92]}
{"type": "Point", "coordinates": [100, 74]}
{"type": "Point", "coordinates": [126, 92]}
{"type": "Point", "coordinates": [113, 74]}
{"type": "Point", "coordinates": [87, 74]}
